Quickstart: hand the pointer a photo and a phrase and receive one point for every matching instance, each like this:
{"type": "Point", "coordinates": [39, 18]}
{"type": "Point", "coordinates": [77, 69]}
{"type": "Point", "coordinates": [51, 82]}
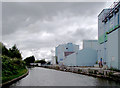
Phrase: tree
{"type": "Point", "coordinates": [3, 50]}
{"type": "Point", "coordinates": [11, 52]}
{"type": "Point", "coordinates": [48, 63]}
{"type": "Point", "coordinates": [14, 52]}
{"type": "Point", "coordinates": [56, 59]}
{"type": "Point", "coordinates": [41, 61]}
{"type": "Point", "coordinates": [29, 60]}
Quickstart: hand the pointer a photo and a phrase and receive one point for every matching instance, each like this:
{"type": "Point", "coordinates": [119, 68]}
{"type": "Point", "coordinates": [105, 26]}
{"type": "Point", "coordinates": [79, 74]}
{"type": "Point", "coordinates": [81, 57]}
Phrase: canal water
{"type": "Point", "coordinates": [48, 77]}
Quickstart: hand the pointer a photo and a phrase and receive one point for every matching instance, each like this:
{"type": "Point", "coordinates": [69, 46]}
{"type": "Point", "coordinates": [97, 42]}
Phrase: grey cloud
{"type": "Point", "coordinates": [25, 23]}
{"type": "Point", "coordinates": [15, 14]}
{"type": "Point", "coordinates": [84, 34]}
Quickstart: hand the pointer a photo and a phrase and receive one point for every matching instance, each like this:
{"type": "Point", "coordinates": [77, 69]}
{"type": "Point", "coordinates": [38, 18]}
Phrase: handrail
{"type": "Point", "coordinates": [115, 5]}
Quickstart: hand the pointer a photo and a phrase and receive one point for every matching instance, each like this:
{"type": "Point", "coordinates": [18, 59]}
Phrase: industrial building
{"type": "Point", "coordinates": [85, 57]}
{"type": "Point", "coordinates": [64, 50]}
{"type": "Point", "coordinates": [109, 36]}
{"type": "Point", "coordinates": [106, 50]}
{"type": "Point", "coordinates": [90, 44]}
{"type": "Point", "coordinates": [53, 61]}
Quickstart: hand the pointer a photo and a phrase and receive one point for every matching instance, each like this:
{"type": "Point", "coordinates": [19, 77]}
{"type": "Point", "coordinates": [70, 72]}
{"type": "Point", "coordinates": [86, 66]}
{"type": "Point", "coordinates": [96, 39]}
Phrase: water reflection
{"type": "Point", "coordinates": [47, 77]}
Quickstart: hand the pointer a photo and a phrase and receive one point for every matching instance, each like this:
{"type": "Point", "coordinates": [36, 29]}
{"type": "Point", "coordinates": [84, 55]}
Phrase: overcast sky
{"type": "Point", "coordinates": [38, 27]}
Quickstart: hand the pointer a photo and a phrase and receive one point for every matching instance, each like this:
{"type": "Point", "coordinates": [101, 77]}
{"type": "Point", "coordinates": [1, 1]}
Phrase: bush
{"type": "Point", "coordinates": [95, 71]}
{"type": "Point", "coordinates": [12, 63]}
{"type": "Point", "coordinates": [29, 60]}
{"type": "Point", "coordinates": [90, 72]}
{"type": "Point", "coordinates": [110, 73]}
{"type": "Point", "coordinates": [79, 70]}
{"type": "Point", "coordinates": [12, 52]}
{"type": "Point", "coordinates": [114, 69]}
{"type": "Point", "coordinates": [96, 62]}
{"type": "Point", "coordinates": [11, 66]}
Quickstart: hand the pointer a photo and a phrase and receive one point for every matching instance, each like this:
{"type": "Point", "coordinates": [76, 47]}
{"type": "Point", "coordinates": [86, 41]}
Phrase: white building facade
{"type": "Point", "coordinates": [64, 50]}
{"type": "Point", "coordinates": [90, 44]}
{"type": "Point", "coordinates": [85, 57]}
{"type": "Point", "coordinates": [109, 36]}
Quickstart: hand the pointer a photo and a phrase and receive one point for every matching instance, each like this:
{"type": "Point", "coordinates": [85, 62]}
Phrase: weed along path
{"type": "Point", "coordinates": [48, 77]}
{"type": "Point", "coordinates": [9, 80]}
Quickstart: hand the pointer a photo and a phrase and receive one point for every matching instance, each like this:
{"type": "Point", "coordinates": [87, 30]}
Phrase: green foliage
{"type": "Point", "coordinates": [20, 72]}
{"type": "Point", "coordinates": [110, 73]}
{"type": "Point", "coordinates": [41, 61]}
{"type": "Point", "coordinates": [79, 70]}
{"type": "Point", "coordinates": [56, 59]}
{"type": "Point", "coordinates": [95, 71]}
{"type": "Point", "coordinates": [29, 60]}
{"type": "Point", "coordinates": [101, 73]}
{"type": "Point", "coordinates": [3, 49]}
{"type": "Point", "coordinates": [57, 67]}
{"type": "Point", "coordinates": [12, 52]}
{"type": "Point", "coordinates": [11, 66]}
{"type": "Point", "coordinates": [0, 48]}
{"type": "Point", "coordinates": [96, 62]}
{"type": "Point", "coordinates": [48, 63]}
{"type": "Point", "coordinates": [90, 72]}
{"type": "Point", "coordinates": [114, 69]}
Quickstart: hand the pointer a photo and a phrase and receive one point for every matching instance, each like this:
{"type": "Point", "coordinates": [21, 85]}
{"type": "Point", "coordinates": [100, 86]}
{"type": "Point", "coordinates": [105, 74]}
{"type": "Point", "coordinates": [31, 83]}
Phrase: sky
{"type": "Point", "coordinates": [38, 27]}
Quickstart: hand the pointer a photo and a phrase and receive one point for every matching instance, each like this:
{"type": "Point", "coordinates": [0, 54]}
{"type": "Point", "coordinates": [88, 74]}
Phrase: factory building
{"type": "Point", "coordinates": [85, 57]}
{"type": "Point", "coordinates": [53, 61]}
{"type": "Point", "coordinates": [109, 36]}
{"type": "Point", "coordinates": [106, 50]}
{"type": "Point", "coordinates": [90, 44]}
{"type": "Point", "coordinates": [64, 50]}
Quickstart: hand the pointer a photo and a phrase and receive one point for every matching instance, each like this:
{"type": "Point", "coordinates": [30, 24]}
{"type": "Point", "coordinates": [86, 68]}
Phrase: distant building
{"type": "Point", "coordinates": [106, 50]}
{"type": "Point", "coordinates": [53, 62]}
{"type": "Point", "coordinates": [34, 64]}
{"type": "Point", "coordinates": [90, 44]}
{"type": "Point", "coordinates": [64, 50]}
{"type": "Point", "coordinates": [109, 36]}
{"type": "Point", "coordinates": [85, 57]}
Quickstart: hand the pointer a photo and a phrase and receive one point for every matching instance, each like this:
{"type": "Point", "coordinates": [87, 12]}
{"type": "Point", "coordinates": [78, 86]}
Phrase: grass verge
{"type": "Point", "coordinates": [20, 73]}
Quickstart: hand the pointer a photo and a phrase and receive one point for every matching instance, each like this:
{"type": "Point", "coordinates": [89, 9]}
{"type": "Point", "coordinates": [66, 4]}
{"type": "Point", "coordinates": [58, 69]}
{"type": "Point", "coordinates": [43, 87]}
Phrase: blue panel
{"type": "Point", "coordinates": [61, 59]}
{"type": "Point", "coordinates": [86, 57]}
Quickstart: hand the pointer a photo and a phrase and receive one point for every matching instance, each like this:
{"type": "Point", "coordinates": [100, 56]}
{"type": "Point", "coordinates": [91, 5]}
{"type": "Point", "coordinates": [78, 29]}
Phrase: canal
{"type": "Point", "coordinates": [48, 77]}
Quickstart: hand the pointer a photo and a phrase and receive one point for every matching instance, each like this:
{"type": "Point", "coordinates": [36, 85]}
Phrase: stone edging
{"type": "Point", "coordinates": [14, 80]}
{"type": "Point", "coordinates": [75, 70]}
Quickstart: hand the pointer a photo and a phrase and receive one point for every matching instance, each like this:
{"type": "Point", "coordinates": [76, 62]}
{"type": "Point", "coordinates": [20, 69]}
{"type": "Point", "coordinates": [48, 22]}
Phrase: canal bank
{"type": "Point", "coordinates": [90, 71]}
{"type": "Point", "coordinates": [39, 76]}
{"type": "Point", "coordinates": [6, 84]}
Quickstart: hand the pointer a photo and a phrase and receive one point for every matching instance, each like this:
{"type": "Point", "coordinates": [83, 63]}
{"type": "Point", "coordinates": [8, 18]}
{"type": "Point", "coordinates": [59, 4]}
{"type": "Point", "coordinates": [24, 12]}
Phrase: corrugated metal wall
{"type": "Point", "coordinates": [86, 57]}
{"type": "Point", "coordinates": [70, 60]}
{"type": "Point", "coordinates": [61, 49]}
{"type": "Point", "coordinates": [90, 44]}
{"type": "Point", "coordinates": [109, 49]}
{"type": "Point", "coordinates": [112, 46]}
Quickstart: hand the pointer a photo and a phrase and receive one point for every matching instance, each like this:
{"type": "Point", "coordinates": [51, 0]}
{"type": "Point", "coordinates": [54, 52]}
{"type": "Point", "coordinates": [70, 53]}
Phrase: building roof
{"type": "Point", "coordinates": [103, 11]}
{"type": "Point", "coordinates": [90, 40]}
